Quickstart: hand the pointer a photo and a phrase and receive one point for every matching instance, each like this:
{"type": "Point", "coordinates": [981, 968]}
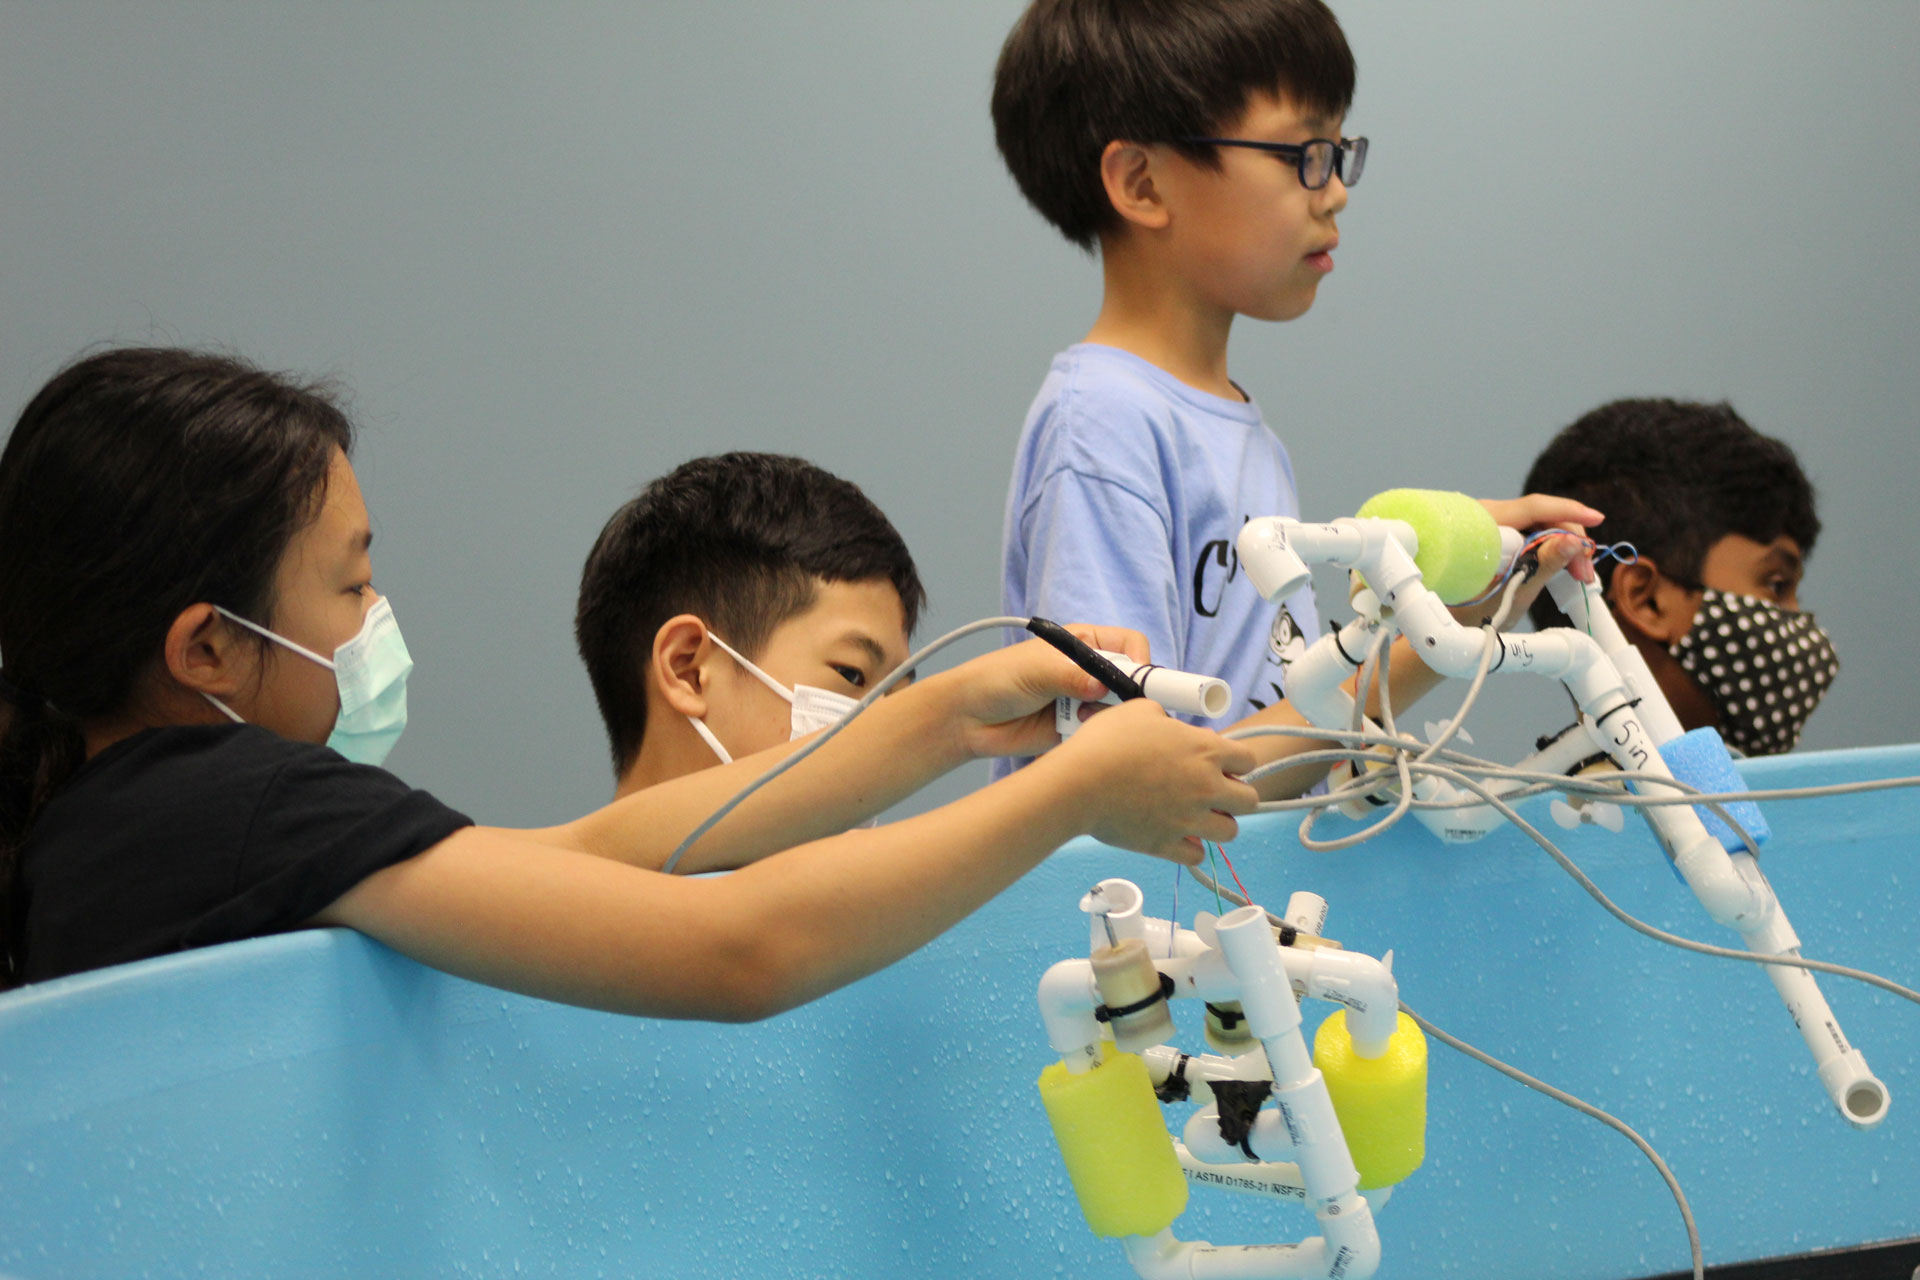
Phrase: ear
{"type": "Point", "coordinates": [204, 653]}
{"type": "Point", "coordinates": [677, 667]}
{"type": "Point", "coordinates": [1650, 603]}
{"type": "Point", "coordinates": [1127, 172]}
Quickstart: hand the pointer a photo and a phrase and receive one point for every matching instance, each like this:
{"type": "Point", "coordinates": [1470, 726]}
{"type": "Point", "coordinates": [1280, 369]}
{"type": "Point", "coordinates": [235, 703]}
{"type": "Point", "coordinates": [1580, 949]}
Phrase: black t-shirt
{"type": "Point", "coordinates": [184, 837]}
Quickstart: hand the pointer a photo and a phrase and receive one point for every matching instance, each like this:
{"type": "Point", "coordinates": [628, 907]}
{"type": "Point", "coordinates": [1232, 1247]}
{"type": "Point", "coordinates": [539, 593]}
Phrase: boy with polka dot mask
{"type": "Point", "coordinates": [1723, 520]}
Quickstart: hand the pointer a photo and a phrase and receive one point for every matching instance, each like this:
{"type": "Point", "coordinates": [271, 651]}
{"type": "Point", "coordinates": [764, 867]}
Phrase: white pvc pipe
{"type": "Point", "coordinates": [1181, 691]}
{"type": "Point", "coordinates": [1307, 912]}
{"type": "Point", "coordinates": [1275, 551]}
{"type": "Point", "coordinates": [1315, 679]}
{"type": "Point", "coordinates": [1067, 998]}
{"type": "Point", "coordinates": [1119, 905]}
{"type": "Point", "coordinates": [1364, 985]}
{"type": "Point", "coordinates": [1277, 1180]}
{"type": "Point", "coordinates": [1272, 1180]}
{"type": "Point", "coordinates": [1201, 1069]}
{"type": "Point", "coordinates": [1162, 1257]}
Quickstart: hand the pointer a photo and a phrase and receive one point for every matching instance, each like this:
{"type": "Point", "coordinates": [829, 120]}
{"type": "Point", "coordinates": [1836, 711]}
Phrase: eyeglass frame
{"type": "Point", "coordinates": [1297, 152]}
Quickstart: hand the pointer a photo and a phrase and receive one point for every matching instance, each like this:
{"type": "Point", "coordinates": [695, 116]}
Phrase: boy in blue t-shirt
{"type": "Point", "coordinates": [1197, 144]}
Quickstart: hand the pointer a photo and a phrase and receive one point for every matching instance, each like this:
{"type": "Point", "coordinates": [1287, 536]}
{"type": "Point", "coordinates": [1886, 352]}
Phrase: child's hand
{"type": "Point", "coordinates": [1532, 514]}
{"type": "Point", "coordinates": [1155, 784]}
{"type": "Point", "coordinates": [1005, 699]}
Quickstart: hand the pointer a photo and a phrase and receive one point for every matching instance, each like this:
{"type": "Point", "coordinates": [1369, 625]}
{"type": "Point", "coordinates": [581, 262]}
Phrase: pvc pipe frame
{"type": "Point", "coordinates": [1364, 985]}
{"type": "Point", "coordinates": [1250, 966]}
{"type": "Point", "coordinates": [1273, 1180]}
{"type": "Point", "coordinates": [1729, 886]}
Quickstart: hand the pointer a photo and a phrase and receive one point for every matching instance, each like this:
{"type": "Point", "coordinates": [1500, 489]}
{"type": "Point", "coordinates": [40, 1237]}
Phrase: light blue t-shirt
{"type": "Point", "coordinates": [1129, 488]}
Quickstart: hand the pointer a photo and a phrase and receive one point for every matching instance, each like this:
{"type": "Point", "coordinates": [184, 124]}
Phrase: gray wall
{"type": "Point", "coordinates": [556, 249]}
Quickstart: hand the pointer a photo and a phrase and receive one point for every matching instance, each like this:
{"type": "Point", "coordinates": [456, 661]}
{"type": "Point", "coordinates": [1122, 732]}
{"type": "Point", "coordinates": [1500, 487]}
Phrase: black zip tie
{"type": "Point", "coordinates": [1104, 1013]}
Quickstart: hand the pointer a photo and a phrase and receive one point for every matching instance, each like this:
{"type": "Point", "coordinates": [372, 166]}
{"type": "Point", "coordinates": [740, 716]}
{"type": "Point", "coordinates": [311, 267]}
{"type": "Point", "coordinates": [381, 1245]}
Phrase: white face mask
{"type": "Point", "coordinates": [370, 671]}
{"type": "Point", "coordinates": [812, 707]}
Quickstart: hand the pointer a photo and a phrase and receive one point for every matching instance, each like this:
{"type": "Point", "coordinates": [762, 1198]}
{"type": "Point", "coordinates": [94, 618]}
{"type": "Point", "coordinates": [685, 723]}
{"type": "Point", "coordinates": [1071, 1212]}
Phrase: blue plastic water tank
{"type": "Point", "coordinates": [315, 1105]}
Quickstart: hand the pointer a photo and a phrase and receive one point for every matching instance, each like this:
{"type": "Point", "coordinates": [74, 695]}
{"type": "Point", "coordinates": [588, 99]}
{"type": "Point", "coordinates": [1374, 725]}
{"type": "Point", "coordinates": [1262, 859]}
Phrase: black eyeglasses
{"type": "Point", "coordinates": [1317, 160]}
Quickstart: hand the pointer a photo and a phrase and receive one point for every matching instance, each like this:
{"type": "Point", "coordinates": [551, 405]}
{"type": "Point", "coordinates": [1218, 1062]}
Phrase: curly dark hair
{"type": "Point", "coordinates": [1674, 477]}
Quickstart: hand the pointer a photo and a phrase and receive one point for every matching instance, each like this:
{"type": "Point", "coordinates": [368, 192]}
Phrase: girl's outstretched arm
{"type": "Point", "coordinates": [514, 912]}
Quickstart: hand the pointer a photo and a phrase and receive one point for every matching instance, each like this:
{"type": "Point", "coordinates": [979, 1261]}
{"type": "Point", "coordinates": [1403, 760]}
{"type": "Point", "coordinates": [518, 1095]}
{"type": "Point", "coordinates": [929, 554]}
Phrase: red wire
{"type": "Point", "coordinates": [1235, 874]}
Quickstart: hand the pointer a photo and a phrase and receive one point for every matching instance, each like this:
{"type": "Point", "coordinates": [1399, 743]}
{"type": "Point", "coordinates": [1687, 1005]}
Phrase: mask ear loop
{"type": "Point", "coordinates": [711, 739]}
{"type": "Point", "coordinates": [752, 670]}
{"type": "Point", "coordinates": [255, 627]}
{"type": "Point", "coordinates": [225, 710]}
{"type": "Point", "coordinates": [700, 726]}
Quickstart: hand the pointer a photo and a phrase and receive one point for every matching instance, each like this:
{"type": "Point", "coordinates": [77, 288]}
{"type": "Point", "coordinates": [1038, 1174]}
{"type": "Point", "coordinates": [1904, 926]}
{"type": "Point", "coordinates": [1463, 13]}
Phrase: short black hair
{"type": "Point", "coordinates": [1674, 477]}
{"type": "Point", "coordinates": [742, 540]}
{"type": "Point", "coordinates": [1075, 75]}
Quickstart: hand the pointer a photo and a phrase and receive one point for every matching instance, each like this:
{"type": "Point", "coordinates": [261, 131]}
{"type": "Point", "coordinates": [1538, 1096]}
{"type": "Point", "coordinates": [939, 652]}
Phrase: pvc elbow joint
{"type": "Point", "coordinates": [1273, 566]}
{"type": "Point", "coordinates": [1066, 1007]}
{"type": "Point", "coordinates": [1314, 685]}
{"type": "Point", "coordinates": [1442, 643]}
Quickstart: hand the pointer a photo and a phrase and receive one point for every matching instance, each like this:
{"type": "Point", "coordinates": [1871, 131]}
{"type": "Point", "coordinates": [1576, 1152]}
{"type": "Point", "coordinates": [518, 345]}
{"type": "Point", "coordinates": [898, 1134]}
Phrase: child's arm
{"type": "Point", "coordinates": [999, 704]}
{"type": "Point", "coordinates": [1408, 678]}
{"type": "Point", "coordinates": [500, 908]}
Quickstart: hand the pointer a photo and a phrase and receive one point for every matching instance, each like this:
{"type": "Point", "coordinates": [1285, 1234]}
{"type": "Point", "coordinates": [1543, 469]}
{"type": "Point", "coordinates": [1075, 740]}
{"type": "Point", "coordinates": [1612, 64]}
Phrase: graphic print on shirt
{"type": "Point", "coordinates": [1216, 555]}
{"type": "Point", "coordinates": [1285, 644]}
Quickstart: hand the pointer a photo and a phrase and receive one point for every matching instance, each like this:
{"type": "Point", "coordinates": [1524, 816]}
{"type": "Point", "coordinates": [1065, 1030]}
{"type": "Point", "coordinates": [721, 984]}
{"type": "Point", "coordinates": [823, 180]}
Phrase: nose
{"type": "Point", "coordinates": [1333, 196]}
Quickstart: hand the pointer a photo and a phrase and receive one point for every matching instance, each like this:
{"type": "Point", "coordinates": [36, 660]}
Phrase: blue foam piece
{"type": "Point", "coordinates": [1700, 758]}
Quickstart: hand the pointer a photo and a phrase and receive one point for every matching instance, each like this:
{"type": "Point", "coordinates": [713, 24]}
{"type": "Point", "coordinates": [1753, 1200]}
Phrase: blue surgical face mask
{"type": "Point", "coordinates": [370, 671]}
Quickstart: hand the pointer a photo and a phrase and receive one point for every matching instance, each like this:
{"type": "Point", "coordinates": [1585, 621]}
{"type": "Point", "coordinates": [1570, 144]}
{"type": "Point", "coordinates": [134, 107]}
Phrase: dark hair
{"type": "Point", "coordinates": [1674, 477]}
{"type": "Point", "coordinates": [742, 540]}
{"type": "Point", "coordinates": [137, 483]}
{"type": "Point", "coordinates": [1075, 75]}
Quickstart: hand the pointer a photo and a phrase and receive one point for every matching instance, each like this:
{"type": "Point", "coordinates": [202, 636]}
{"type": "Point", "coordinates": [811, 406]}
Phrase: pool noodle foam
{"type": "Point", "coordinates": [1381, 1102]}
{"type": "Point", "coordinates": [1699, 758]}
{"type": "Point", "coordinates": [1459, 540]}
{"type": "Point", "coordinates": [1114, 1142]}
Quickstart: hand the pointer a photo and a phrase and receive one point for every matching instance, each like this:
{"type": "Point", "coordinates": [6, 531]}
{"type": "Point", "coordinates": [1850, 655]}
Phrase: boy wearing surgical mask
{"type": "Point", "coordinates": [738, 602]}
{"type": "Point", "coordinates": [1723, 520]}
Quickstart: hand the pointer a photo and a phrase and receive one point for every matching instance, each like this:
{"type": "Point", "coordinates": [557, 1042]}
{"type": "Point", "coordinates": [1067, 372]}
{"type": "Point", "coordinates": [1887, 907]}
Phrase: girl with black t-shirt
{"type": "Point", "coordinates": [198, 679]}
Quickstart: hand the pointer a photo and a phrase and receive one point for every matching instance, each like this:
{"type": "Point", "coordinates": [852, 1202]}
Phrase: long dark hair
{"type": "Point", "coordinates": [137, 483]}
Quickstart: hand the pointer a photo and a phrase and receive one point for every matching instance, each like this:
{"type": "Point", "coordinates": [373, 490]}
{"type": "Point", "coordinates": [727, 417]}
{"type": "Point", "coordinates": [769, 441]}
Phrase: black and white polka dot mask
{"type": "Point", "coordinates": [1764, 668]}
